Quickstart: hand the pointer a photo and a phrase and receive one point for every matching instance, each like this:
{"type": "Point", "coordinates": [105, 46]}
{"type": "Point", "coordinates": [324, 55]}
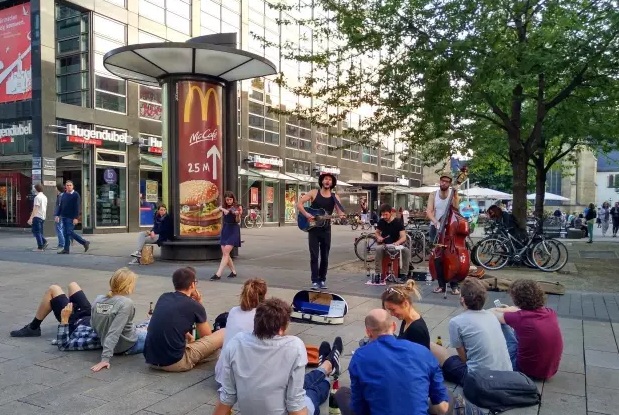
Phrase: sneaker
{"type": "Point", "coordinates": [334, 357]}
{"type": "Point", "coordinates": [232, 275]}
{"type": "Point", "coordinates": [45, 245]}
{"type": "Point", "coordinates": [63, 252]}
{"type": "Point", "coordinates": [322, 285]}
{"type": "Point", "coordinates": [86, 246]}
{"type": "Point", "coordinates": [315, 286]}
{"type": "Point", "coordinates": [215, 277]}
{"type": "Point", "coordinates": [26, 331]}
{"type": "Point", "coordinates": [136, 254]}
{"type": "Point", "coordinates": [134, 261]}
{"type": "Point", "coordinates": [323, 352]}
{"type": "Point", "coordinates": [60, 247]}
{"type": "Point", "coordinates": [38, 250]}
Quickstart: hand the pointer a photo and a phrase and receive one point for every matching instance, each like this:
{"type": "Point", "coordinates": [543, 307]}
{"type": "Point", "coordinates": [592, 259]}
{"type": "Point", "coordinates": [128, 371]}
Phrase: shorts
{"type": "Point", "coordinates": [81, 308]}
{"type": "Point", "coordinates": [195, 352]}
{"type": "Point", "coordinates": [455, 370]}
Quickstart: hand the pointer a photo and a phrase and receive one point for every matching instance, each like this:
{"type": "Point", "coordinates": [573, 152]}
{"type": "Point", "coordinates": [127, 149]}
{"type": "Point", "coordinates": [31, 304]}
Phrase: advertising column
{"type": "Point", "coordinates": [199, 168]}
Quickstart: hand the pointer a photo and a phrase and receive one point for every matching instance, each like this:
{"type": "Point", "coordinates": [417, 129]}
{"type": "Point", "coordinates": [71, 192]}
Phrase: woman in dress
{"type": "Point", "coordinates": [398, 301]}
{"type": "Point", "coordinates": [230, 234]}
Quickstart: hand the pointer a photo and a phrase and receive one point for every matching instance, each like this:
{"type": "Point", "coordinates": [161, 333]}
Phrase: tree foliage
{"type": "Point", "coordinates": [536, 78]}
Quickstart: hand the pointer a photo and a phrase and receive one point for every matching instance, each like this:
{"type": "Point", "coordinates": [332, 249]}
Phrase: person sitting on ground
{"type": "Point", "coordinates": [476, 335]}
{"type": "Point", "coordinates": [394, 377]}
{"type": "Point", "coordinates": [390, 231]}
{"type": "Point", "coordinates": [241, 318]}
{"type": "Point", "coordinates": [286, 389]}
{"type": "Point", "coordinates": [112, 318]}
{"type": "Point", "coordinates": [170, 345]}
{"type": "Point", "coordinates": [73, 314]}
{"type": "Point", "coordinates": [162, 231]}
{"type": "Point", "coordinates": [531, 331]}
{"type": "Point", "coordinates": [398, 301]}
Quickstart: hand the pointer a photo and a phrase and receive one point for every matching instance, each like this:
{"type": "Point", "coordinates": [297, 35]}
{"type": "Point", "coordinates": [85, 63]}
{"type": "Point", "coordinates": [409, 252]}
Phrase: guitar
{"type": "Point", "coordinates": [321, 219]}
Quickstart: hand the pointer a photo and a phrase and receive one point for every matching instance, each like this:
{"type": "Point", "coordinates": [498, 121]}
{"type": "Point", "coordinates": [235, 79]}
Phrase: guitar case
{"type": "Point", "coordinates": [313, 307]}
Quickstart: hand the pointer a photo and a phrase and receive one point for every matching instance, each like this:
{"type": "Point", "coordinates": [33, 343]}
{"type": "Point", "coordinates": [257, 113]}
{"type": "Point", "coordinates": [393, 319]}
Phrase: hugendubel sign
{"type": "Point", "coordinates": [15, 56]}
{"type": "Point", "coordinates": [199, 158]}
{"type": "Point", "coordinates": [75, 134]}
{"type": "Point", "coordinates": [7, 135]}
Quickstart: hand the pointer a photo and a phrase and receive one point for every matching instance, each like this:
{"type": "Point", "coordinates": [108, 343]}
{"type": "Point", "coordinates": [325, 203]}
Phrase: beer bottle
{"type": "Point", "coordinates": [334, 409]}
{"type": "Point", "coordinates": [439, 341]}
{"type": "Point", "coordinates": [150, 309]}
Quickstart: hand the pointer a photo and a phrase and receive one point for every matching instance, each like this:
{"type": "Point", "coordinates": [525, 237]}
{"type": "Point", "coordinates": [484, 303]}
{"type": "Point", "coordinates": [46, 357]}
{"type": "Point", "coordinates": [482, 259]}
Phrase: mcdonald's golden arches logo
{"type": "Point", "coordinates": [204, 103]}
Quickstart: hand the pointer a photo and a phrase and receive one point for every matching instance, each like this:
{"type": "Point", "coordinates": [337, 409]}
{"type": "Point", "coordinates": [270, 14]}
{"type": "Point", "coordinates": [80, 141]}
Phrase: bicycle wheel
{"type": "Point", "coordinates": [259, 221]}
{"type": "Point", "coordinates": [367, 226]}
{"type": "Point", "coordinates": [354, 225]}
{"type": "Point", "coordinates": [492, 254]}
{"type": "Point", "coordinates": [550, 255]}
{"type": "Point", "coordinates": [417, 247]}
{"type": "Point", "coordinates": [248, 222]}
{"type": "Point", "coordinates": [365, 248]}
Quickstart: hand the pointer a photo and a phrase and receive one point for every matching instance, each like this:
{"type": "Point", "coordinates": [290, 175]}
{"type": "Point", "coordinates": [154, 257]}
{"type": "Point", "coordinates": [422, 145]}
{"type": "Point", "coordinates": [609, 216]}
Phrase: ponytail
{"type": "Point", "coordinates": [397, 294]}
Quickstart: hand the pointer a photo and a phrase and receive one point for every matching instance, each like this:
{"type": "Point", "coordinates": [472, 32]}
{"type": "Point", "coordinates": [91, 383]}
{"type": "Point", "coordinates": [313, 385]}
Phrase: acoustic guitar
{"type": "Point", "coordinates": [321, 219]}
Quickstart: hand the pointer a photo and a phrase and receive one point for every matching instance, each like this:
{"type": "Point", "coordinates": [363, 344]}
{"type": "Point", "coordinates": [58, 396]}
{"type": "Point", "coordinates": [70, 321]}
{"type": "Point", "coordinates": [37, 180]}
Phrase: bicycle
{"type": "Point", "coordinates": [253, 218]}
{"type": "Point", "coordinates": [365, 247]}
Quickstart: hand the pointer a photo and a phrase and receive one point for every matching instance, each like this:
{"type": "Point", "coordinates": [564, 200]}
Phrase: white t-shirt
{"type": "Point", "coordinates": [239, 321]}
{"type": "Point", "coordinates": [40, 202]}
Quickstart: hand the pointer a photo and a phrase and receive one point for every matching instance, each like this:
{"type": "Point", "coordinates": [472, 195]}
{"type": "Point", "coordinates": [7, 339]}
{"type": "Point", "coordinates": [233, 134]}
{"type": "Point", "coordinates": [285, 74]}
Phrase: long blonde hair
{"type": "Point", "coordinates": [398, 294]}
{"type": "Point", "coordinates": [122, 282]}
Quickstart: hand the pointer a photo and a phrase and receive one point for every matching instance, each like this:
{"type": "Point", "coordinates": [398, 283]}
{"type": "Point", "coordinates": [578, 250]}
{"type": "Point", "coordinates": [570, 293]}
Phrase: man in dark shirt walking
{"type": "Point", "coordinates": [68, 212]}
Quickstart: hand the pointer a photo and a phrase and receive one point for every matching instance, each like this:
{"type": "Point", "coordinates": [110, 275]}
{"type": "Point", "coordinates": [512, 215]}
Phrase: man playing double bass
{"type": "Point", "coordinates": [436, 210]}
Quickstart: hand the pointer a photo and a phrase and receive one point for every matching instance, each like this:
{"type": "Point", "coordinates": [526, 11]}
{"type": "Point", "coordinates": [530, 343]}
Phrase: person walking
{"type": "Point", "coordinates": [230, 234]}
{"type": "Point", "coordinates": [37, 218]}
{"type": "Point", "coordinates": [590, 216]}
{"type": "Point", "coordinates": [68, 212]}
{"type": "Point", "coordinates": [605, 217]}
{"type": "Point", "coordinates": [58, 224]}
{"type": "Point", "coordinates": [614, 214]}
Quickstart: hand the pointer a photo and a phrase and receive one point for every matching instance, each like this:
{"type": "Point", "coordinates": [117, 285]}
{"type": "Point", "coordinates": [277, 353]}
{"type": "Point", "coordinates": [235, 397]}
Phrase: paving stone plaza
{"type": "Point", "coordinates": [36, 378]}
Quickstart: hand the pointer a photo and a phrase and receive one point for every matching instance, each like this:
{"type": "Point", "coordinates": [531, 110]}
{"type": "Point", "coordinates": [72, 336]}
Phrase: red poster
{"type": "Point", "coordinates": [15, 61]}
{"type": "Point", "coordinates": [253, 196]}
{"type": "Point", "coordinates": [270, 195]}
{"type": "Point", "coordinates": [200, 171]}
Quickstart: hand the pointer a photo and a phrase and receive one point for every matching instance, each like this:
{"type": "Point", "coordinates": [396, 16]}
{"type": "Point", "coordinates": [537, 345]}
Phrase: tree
{"type": "Point", "coordinates": [444, 73]}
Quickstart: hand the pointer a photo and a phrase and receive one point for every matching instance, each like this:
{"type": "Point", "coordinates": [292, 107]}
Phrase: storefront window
{"type": "Point", "coordinates": [255, 195]}
{"type": "Point", "coordinates": [271, 201]}
{"type": "Point", "coordinates": [111, 197]}
{"type": "Point", "coordinates": [290, 203]}
{"type": "Point", "coordinates": [151, 178]}
{"type": "Point", "coordinates": [15, 138]}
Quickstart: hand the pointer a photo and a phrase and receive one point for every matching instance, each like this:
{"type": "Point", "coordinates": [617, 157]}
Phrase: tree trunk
{"type": "Point", "coordinates": [520, 172]}
{"type": "Point", "coordinates": [540, 189]}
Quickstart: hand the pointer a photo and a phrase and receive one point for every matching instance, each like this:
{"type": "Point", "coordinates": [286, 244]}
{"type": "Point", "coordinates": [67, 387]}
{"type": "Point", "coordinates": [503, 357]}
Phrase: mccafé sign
{"type": "Point", "coordinates": [79, 135]}
{"type": "Point", "coordinates": [7, 134]}
{"type": "Point", "coordinates": [265, 162]}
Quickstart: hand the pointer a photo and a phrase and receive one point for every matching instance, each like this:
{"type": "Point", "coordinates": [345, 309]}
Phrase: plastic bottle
{"type": "Point", "coordinates": [334, 409]}
{"type": "Point", "coordinates": [439, 341]}
{"type": "Point", "coordinates": [428, 279]}
{"type": "Point", "coordinates": [372, 276]}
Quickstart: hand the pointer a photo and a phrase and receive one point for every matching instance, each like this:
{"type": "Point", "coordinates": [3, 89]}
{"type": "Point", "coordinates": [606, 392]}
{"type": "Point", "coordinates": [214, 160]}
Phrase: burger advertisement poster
{"type": "Point", "coordinates": [200, 171]}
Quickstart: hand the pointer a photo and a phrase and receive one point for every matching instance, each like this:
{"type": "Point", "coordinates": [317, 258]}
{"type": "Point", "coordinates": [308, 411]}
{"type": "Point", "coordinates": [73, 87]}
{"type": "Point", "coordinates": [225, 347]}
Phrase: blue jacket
{"type": "Point", "coordinates": [163, 227]}
{"type": "Point", "coordinates": [395, 377]}
{"type": "Point", "coordinates": [70, 205]}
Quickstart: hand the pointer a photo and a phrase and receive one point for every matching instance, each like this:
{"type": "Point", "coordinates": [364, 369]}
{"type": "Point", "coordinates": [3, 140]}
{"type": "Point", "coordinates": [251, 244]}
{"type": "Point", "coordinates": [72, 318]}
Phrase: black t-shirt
{"type": "Point", "coordinates": [173, 316]}
{"type": "Point", "coordinates": [390, 230]}
{"type": "Point", "coordinates": [417, 332]}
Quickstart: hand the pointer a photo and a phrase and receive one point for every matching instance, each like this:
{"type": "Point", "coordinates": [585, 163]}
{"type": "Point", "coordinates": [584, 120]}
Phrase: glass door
{"type": "Point", "coordinates": [110, 196]}
{"type": "Point", "coordinates": [8, 202]}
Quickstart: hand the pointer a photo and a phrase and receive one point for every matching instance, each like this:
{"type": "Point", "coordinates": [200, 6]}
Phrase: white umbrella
{"type": "Point", "coordinates": [549, 196]}
{"type": "Point", "coordinates": [485, 193]}
{"type": "Point", "coordinates": [424, 190]}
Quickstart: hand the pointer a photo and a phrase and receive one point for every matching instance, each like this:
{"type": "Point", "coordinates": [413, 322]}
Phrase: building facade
{"type": "Point", "coordinates": [607, 178]}
{"type": "Point", "coordinates": [64, 117]}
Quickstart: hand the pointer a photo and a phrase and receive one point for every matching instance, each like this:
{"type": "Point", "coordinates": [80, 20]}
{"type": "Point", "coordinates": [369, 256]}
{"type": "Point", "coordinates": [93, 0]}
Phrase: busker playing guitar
{"type": "Point", "coordinates": [319, 237]}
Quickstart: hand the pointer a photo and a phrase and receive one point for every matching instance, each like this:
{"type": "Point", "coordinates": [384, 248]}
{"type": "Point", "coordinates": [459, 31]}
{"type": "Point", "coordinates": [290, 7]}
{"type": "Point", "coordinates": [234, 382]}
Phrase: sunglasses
{"type": "Point", "coordinates": [395, 290]}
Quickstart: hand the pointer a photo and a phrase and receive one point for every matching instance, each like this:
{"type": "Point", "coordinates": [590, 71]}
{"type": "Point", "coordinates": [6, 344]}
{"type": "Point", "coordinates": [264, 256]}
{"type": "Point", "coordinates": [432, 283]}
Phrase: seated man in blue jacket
{"type": "Point", "coordinates": [161, 231]}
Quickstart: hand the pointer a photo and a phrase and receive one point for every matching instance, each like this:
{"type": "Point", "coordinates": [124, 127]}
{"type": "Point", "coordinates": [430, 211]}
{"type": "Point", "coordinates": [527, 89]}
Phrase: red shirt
{"type": "Point", "coordinates": [540, 344]}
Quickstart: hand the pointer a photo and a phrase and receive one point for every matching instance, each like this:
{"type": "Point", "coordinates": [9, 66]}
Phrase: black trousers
{"type": "Point", "coordinates": [319, 245]}
{"type": "Point", "coordinates": [615, 226]}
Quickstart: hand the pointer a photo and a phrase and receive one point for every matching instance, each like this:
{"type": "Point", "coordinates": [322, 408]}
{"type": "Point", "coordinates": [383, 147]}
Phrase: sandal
{"type": "Point", "coordinates": [438, 290]}
{"type": "Point", "coordinates": [455, 291]}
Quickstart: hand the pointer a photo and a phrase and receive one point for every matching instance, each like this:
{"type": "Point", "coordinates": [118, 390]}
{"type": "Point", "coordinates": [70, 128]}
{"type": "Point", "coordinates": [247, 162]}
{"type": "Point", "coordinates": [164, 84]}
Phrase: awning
{"type": "Point", "coordinates": [275, 175]}
{"type": "Point", "coordinates": [362, 183]}
{"type": "Point", "coordinates": [303, 178]}
{"type": "Point", "coordinates": [343, 183]}
{"type": "Point", "coordinates": [154, 160]}
{"type": "Point", "coordinates": [243, 172]}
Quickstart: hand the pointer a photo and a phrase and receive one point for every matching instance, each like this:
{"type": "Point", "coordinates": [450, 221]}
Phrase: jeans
{"type": "Point", "coordinates": [138, 347]}
{"type": "Point", "coordinates": [37, 231]}
{"type": "Point", "coordinates": [512, 344]}
{"type": "Point", "coordinates": [319, 244]}
{"type": "Point", "coordinates": [144, 238]}
{"type": "Point", "coordinates": [69, 233]}
{"type": "Point", "coordinates": [590, 229]}
{"type": "Point", "coordinates": [317, 389]}
{"type": "Point", "coordinates": [60, 233]}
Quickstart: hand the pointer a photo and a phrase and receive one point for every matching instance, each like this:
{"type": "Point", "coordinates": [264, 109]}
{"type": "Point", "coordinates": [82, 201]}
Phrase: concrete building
{"type": "Point", "coordinates": [607, 178]}
{"type": "Point", "coordinates": [64, 117]}
{"type": "Point", "coordinates": [578, 183]}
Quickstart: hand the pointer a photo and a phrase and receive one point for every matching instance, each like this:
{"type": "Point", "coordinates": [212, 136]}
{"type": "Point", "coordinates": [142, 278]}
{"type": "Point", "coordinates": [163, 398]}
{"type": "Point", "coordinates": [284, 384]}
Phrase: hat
{"type": "Point", "coordinates": [447, 175]}
{"type": "Point", "coordinates": [323, 175]}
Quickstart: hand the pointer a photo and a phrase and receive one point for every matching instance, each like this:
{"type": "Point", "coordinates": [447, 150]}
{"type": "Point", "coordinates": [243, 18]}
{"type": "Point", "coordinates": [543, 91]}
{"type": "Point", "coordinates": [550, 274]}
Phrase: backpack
{"type": "Point", "coordinates": [220, 321]}
{"type": "Point", "coordinates": [500, 391]}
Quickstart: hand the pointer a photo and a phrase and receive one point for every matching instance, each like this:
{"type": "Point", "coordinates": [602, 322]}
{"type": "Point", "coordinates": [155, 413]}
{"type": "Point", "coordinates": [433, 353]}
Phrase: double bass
{"type": "Point", "coordinates": [450, 259]}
